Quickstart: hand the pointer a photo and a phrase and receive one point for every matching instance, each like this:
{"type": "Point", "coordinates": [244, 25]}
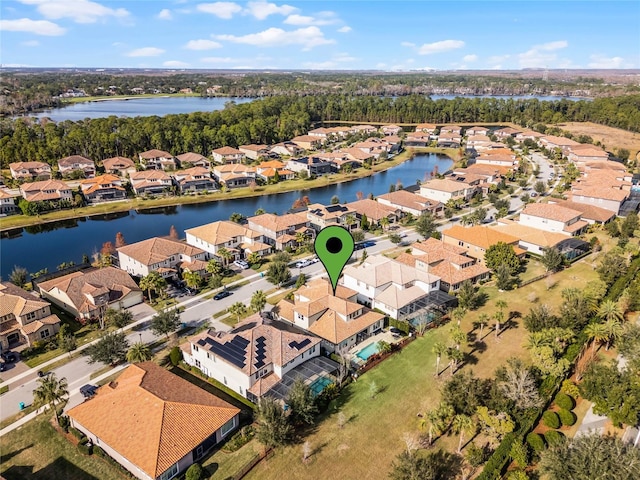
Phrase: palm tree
{"type": "Point", "coordinates": [384, 223]}
{"type": "Point", "coordinates": [498, 317]}
{"type": "Point", "coordinates": [214, 267]}
{"type": "Point", "coordinates": [192, 279]}
{"type": "Point", "coordinates": [457, 335]}
{"type": "Point", "coordinates": [225, 255]}
{"type": "Point", "coordinates": [152, 283]}
{"type": "Point", "coordinates": [614, 330]}
{"type": "Point", "coordinates": [238, 309]}
{"type": "Point", "coordinates": [454, 355]}
{"type": "Point", "coordinates": [301, 238]}
{"type": "Point", "coordinates": [258, 301]}
{"type": "Point", "coordinates": [253, 258]}
{"type": "Point", "coordinates": [483, 320]}
{"type": "Point", "coordinates": [51, 391]}
{"type": "Point", "coordinates": [458, 313]}
{"type": "Point", "coordinates": [438, 348]}
{"type": "Point", "coordinates": [461, 424]}
{"type": "Point", "coordinates": [139, 352]}
{"type": "Point", "coordinates": [610, 310]}
{"type": "Point", "coordinates": [597, 333]}
{"type": "Point", "coordinates": [349, 221]}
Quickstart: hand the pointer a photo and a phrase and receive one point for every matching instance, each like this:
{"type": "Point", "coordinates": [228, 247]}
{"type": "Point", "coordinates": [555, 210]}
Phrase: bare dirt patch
{"type": "Point", "coordinates": [612, 138]}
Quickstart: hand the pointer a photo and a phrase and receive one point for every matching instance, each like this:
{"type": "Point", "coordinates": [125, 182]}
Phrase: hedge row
{"type": "Point", "coordinates": [400, 325]}
{"type": "Point", "coordinates": [567, 417]}
{"type": "Point", "coordinates": [551, 419]}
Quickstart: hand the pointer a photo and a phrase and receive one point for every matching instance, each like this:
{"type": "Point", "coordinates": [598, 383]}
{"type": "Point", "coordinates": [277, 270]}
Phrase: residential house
{"type": "Point", "coordinates": [281, 231]}
{"type": "Point", "coordinates": [340, 132]}
{"type": "Point", "coordinates": [417, 139]}
{"type": "Point", "coordinates": [451, 129]}
{"type": "Point", "coordinates": [607, 196]}
{"type": "Point", "coordinates": [411, 203]}
{"type": "Point", "coordinates": [77, 163]}
{"type": "Point", "coordinates": [341, 159]}
{"type": "Point", "coordinates": [375, 211]}
{"type": "Point", "coordinates": [194, 179]}
{"type": "Point", "coordinates": [191, 159]}
{"type": "Point", "coordinates": [255, 358]}
{"type": "Point", "coordinates": [529, 135]}
{"type": "Point", "coordinates": [104, 188]}
{"type": "Point", "coordinates": [478, 143]}
{"type": "Point", "coordinates": [120, 166]}
{"type": "Point", "coordinates": [374, 146]}
{"type": "Point", "coordinates": [444, 189]}
{"type": "Point", "coordinates": [502, 157]}
{"type": "Point", "coordinates": [490, 173]}
{"type": "Point", "coordinates": [255, 152]}
{"type": "Point", "coordinates": [551, 142]}
{"type": "Point", "coordinates": [392, 287]}
{"type": "Point", "coordinates": [324, 133]}
{"type": "Point", "coordinates": [46, 190]}
{"type": "Point", "coordinates": [581, 154]}
{"type": "Point", "coordinates": [322, 216]}
{"type": "Point", "coordinates": [234, 175]}
{"type": "Point", "coordinates": [237, 239]}
{"type": "Point", "coordinates": [364, 129]}
{"type": "Point", "coordinates": [477, 239]}
{"type": "Point", "coordinates": [267, 171]}
{"type": "Point", "coordinates": [448, 262]}
{"type": "Point", "coordinates": [151, 182]}
{"type": "Point", "coordinates": [503, 133]}
{"type": "Point", "coordinates": [535, 240]}
{"type": "Point", "coordinates": [157, 160]}
{"type": "Point", "coordinates": [553, 218]}
{"type": "Point", "coordinates": [24, 318]}
{"type": "Point", "coordinates": [153, 422]}
{"type": "Point", "coordinates": [339, 320]}
{"type": "Point", "coordinates": [30, 171]}
{"type": "Point", "coordinates": [166, 256]}
{"type": "Point", "coordinates": [591, 213]}
{"type": "Point", "coordinates": [426, 128]}
{"type": "Point", "coordinates": [308, 142]}
{"type": "Point", "coordinates": [476, 131]}
{"type": "Point", "coordinates": [449, 140]}
{"type": "Point", "coordinates": [224, 155]}
{"type": "Point", "coordinates": [356, 154]}
{"type": "Point", "coordinates": [313, 165]}
{"type": "Point", "coordinates": [391, 130]}
{"type": "Point", "coordinates": [86, 294]}
{"type": "Point", "coordinates": [7, 203]}
{"type": "Point", "coordinates": [287, 149]}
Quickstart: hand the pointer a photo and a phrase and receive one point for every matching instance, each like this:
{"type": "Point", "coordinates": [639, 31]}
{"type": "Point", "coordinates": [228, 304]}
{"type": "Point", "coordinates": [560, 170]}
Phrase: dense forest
{"type": "Point", "coordinates": [275, 119]}
{"type": "Point", "coordinates": [22, 92]}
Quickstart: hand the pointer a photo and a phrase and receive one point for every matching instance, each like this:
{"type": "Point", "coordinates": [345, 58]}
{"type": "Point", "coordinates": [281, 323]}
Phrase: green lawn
{"type": "Point", "coordinates": [222, 465]}
{"type": "Point", "coordinates": [37, 451]}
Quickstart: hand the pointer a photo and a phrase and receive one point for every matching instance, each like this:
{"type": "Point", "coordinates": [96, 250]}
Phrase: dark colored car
{"type": "Point", "coordinates": [395, 331]}
{"type": "Point", "coordinates": [221, 295]}
{"type": "Point", "coordinates": [88, 391]}
{"type": "Point", "coordinates": [3, 367]}
{"type": "Point", "coordinates": [368, 244]}
{"type": "Point", "coordinates": [9, 357]}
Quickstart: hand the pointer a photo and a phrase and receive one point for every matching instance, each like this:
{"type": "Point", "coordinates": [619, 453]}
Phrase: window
{"type": "Point", "coordinates": [44, 333]}
{"type": "Point", "coordinates": [199, 451]}
{"type": "Point", "coordinates": [227, 427]}
{"type": "Point", "coordinates": [170, 473]}
{"type": "Point", "coordinates": [198, 365]}
{"type": "Point", "coordinates": [31, 316]}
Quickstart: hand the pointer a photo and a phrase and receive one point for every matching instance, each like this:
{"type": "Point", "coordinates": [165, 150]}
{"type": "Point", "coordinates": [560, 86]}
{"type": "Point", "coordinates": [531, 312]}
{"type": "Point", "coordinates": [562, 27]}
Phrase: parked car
{"type": "Point", "coordinates": [303, 263]}
{"type": "Point", "coordinates": [533, 194]}
{"type": "Point", "coordinates": [314, 260]}
{"type": "Point", "coordinates": [3, 366]}
{"type": "Point", "coordinates": [368, 243]}
{"type": "Point", "coordinates": [395, 331]}
{"type": "Point", "coordinates": [9, 357]}
{"type": "Point", "coordinates": [88, 390]}
{"type": "Point", "coordinates": [221, 295]}
{"type": "Point", "coordinates": [241, 264]}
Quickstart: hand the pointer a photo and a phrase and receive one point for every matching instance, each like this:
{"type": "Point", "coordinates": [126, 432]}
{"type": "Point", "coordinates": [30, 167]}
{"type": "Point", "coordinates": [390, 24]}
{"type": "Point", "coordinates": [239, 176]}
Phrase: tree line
{"type": "Point", "coordinates": [276, 119]}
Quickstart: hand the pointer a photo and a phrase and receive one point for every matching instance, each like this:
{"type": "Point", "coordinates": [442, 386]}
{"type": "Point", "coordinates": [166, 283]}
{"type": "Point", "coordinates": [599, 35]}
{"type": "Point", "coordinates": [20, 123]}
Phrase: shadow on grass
{"type": "Point", "coordinates": [8, 456]}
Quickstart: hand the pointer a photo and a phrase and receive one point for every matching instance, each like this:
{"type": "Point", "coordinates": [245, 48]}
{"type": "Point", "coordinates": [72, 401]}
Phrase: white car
{"type": "Point", "coordinates": [242, 264]}
{"type": "Point", "coordinates": [303, 263]}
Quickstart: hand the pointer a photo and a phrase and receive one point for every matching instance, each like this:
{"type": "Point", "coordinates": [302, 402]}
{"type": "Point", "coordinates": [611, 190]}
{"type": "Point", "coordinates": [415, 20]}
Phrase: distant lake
{"type": "Point", "coordinates": [160, 106]}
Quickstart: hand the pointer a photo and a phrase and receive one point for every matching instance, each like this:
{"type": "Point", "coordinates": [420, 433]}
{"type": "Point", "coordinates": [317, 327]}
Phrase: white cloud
{"type": "Point", "coordinates": [80, 11]}
{"type": "Point", "coordinates": [262, 10]}
{"type": "Point", "coordinates": [540, 56]}
{"type": "Point", "coordinates": [602, 61]}
{"type": "Point", "coordinates": [224, 10]}
{"type": "Point", "coordinates": [175, 64]}
{"type": "Point", "coordinates": [146, 52]}
{"type": "Point", "coordinates": [217, 60]}
{"type": "Point", "coordinates": [202, 45]}
{"type": "Point", "coordinates": [308, 37]}
{"type": "Point", "coordinates": [31, 43]}
{"type": "Point", "coordinates": [470, 58]}
{"type": "Point", "coordinates": [439, 47]}
{"type": "Point", "coordinates": [497, 60]}
{"type": "Point", "coordinates": [322, 18]}
{"type": "Point", "coordinates": [39, 27]}
{"type": "Point", "coordinates": [345, 29]}
{"type": "Point", "coordinates": [408, 44]}
{"type": "Point", "coordinates": [165, 14]}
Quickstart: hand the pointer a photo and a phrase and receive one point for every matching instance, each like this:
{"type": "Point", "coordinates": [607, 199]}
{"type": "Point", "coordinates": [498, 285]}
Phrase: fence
{"type": "Point", "coordinates": [267, 454]}
{"type": "Point", "coordinates": [379, 357]}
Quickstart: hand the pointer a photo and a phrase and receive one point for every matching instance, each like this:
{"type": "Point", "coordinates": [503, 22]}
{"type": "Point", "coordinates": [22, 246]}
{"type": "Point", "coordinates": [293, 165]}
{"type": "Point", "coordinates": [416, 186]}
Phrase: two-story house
{"type": "Point", "coordinates": [321, 216]}
{"type": "Point", "coordinates": [338, 319]}
{"type": "Point", "coordinates": [155, 159]}
{"type": "Point", "coordinates": [256, 152]}
{"type": "Point", "coordinates": [224, 155]}
{"type": "Point", "coordinates": [476, 240]}
{"type": "Point", "coordinates": [121, 166]}
{"type": "Point", "coordinates": [46, 190]}
{"type": "Point", "coordinates": [445, 189]}
{"type": "Point", "coordinates": [553, 218]}
{"type": "Point", "coordinates": [24, 318]}
{"type": "Point", "coordinates": [7, 203]}
{"type": "Point", "coordinates": [103, 188]}
{"type": "Point", "coordinates": [77, 163]}
{"type": "Point", "coordinates": [151, 182]}
{"type": "Point", "coordinates": [411, 203]}
{"type": "Point", "coordinates": [476, 130]}
{"type": "Point", "coordinates": [234, 175]}
{"type": "Point", "coordinates": [268, 170]}
{"type": "Point", "coordinates": [426, 127]}
{"type": "Point", "coordinates": [192, 159]}
{"type": "Point", "coordinates": [457, 129]}
{"type": "Point", "coordinates": [255, 358]}
{"type": "Point", "coordinates": [282, 231]}
{"type": "Point", "coordinates": [286, 149]}
{"type": "Point", "coordinates": [193, 180]}
{"type": "Point", "coordinates": [418, 139]}
{"type": "Point", "coordinates": [166, 256]}
{"type": "Point", "coordinates": [87, 294]}
{"type": "Point", "coordinates": [236, 239]}
{"type": "Point", "coordinates": [503, 133]}
{"type": "Point", "coordinates": [449, 140]}
{"type": "Point", "coordinates": [389, 130]}
{"type": "Point", "coordinates": [313, 165]}
{"type": "Point", "coordinates": [30, 171]}
{"type": "Point", "coordinates": [375, 211]}
{"type": "Point", "coordinates": [308, 142]}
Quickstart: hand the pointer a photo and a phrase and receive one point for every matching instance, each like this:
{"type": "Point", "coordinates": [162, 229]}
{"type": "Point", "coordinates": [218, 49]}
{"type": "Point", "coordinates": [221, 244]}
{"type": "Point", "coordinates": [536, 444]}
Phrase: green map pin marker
{"type": "Point", "coordinates": [334, 246]}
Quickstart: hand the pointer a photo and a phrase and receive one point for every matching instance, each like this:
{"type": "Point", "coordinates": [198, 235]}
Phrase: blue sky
{"type": "Point", "coordinates": [350, 34]}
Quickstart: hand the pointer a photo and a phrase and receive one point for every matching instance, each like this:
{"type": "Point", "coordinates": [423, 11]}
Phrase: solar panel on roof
{"type": "Point", "coordinates": [300, 345]}
{"type": "Point", "coordinates": [232, 351]}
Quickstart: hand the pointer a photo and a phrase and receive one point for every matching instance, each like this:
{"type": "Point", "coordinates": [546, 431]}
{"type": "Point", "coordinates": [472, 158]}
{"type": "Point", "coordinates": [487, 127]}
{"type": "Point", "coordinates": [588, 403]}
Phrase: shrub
{"type": "Point", "coordinates": [551, 419]}
{"type": "Point", "coordinates": [64, 423]}
{"type": "Point", "coordinates": [400, 325]}
{"type": "Point", "coordinates": [84, 448]}
{"type": "Point", "coordinates": [476, 455]}
{"type": "Point", "coordinates": [535, 441]}
{"type": "Point", "coordinates": [99, 452]}
{"type": "Point", "coordinates": [567, 417]}
{"type": "Point", "coordinates": [175, 355]}
{"type": "Point", "coordinates": [239, 439]}
{"type": "Point", "coordinates": [194, 472]}
{"type": "Point", "coordinates": [553, 437]}
{"type": "Point", "coordinates": [570, 388]}
{"type": "Point", "coordinates": [564, 401]}
{"type": "Point", "coordinates": [77, 433]}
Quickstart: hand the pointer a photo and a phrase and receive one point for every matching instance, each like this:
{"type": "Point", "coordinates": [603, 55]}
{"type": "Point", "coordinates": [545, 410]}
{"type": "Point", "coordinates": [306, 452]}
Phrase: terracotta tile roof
{"type": "Point", "coordinates": [158, 249]}
{"type": "Point", "coordinates": [478, 138]}
{"type": "Point", "coordinates": [483, 169]}
{"type": "Point", "coordinates": [329, 211]}
{"type": "Point", "coordinates": [356, 153]}
{"type": "Point", "coordinates": [220, 232]}
{"type": "Point", "coordinates": [589, 212]}
{"type": "Point", "coordinates": [16, 301]}
{"type": "Point", "coordinates": [574, 227]}
{"type": "Point", "coordinates": [425, 126]}
{"type": "Point", "coordinates": [449, 136]}
{"type": "Point", "coordinates": [5, 194]}
{"type": "Point", "coordinates": [276, 164]}
{"type": "Point", "coordinates": [479, 236]}
{"type": "Point", "coordinates": [551, 211]}
{"type": "Point", "coordinates": [409, 200]}
{"type": "Point", "coordinates": [444, 185]}
{"type": "Point", "coordinates": [264, 384]}
{"type": "Point", "coordinates": [37, 191]}
{"type": "Point", "coordinates": [191, 157]}
{"type": "Point", "coordinates": [451, 274]}
{"type": "Point", "coordinates": [306, 138]}
{"type": "Point", "coordinates": [253, 147]}
{"type": "Point", "coordinates": [93, 281]}
{"type": "Point", "coordinates": [154, 153]}
{"type": "Point", "coordinates": [604, 192]}
{"type": "Point", "coordinates": [535, 236]}
{"type": "Point", "coordinates": [605, 165]}
{"type": "Point", "coordinates": [152, 417]}
{"type": "Point", "coordinates": [432, 251]}
{"type": "Point", "coordinates": [372, 209]}
{"type": "Point", "coordinates": [149, 175]}
{"type": "Point", "coordinates": [279, 223]}
{"type": "Point", "coordinates": [236, 168]}
{"type": "Point", "coordinates": [227, 151]}
{"type": "Point", "coordinates": [117, 163]}
{"type": "Point", "coordinates": [9, 326]}
{"type": "Point", "coordinates": [333, 328]}
{"type": "Point", "coordinates": [506, 131]}
{"type": "Point", "coordinates": [91, 185]}
{"type": "Point", "coordinates": [377, 271]}
{"type": "Point", "coordinates": [418, 135]}
{"type": "Point", "coordinates": [561, 141]}
{"type": "Point", "coordinates": [280, 346]}
{"type": "Point", "coordinates": [69, 161]}
{"type": "Point", "coordinates": [36, 325]}
{"type": "Point", "coordinates": [29, 166]}
{"type": "Point", "coordinates": [192, 172]}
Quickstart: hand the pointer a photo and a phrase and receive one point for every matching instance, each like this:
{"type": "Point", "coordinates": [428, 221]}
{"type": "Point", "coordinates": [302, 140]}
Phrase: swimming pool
{"type": "Point", "coordinates": [367, 351]}
{"type": "Point", "coordinates": [319, 384]}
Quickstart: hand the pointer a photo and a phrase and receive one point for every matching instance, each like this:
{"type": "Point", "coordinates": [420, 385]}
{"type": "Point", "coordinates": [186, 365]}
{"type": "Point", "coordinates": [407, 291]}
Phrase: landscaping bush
{"type": "Point", "coordinates": [564, 401]}
{"type": "Point", "coordinates": [551, 419]}
{"type": "Point", "coordinates": [570, 388]}
{"type": "Point", "coordinates": [77, 433]}
{"type": "Point", "coordinates": [567, 417]}
{"type": "Point", "coordinates": [476, 455]}
{"type": "Point", "coordinates": [64, 422]}
{"type": "Point", "coordinates": [175, 355]}
{"type": "Point", "coordinates": [553, 437]}
{"type": "Point", "coordinates": [99, 452]}
{"type": "Point", "coordinates": [194, 472]}
{"type": "Point", "coordinates": [84, 447]}
{"type": "Point", "coordinates": [239, 439]}
{"type": "Point", "coordinates": [400, 325]}
{"type": "Point", "coordinates": [535, 441]}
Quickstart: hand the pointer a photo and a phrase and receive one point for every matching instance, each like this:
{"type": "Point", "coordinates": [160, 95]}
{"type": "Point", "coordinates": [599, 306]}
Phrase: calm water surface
{"type": "Point", "coordinates": [53, 243]}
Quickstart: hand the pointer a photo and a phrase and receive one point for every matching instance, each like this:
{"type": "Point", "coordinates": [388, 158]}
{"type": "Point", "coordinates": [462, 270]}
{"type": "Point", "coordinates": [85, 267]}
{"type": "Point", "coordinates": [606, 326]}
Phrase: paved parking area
{"type": "Point", "coordinates": [140, 311]}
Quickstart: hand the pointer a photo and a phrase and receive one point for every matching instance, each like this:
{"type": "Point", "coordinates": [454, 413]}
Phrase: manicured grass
{"type": "Point", "coordinates": [4, 389]}
{"type": "Point", "coordinates": [37, 451]}
{"type": "Point", "coordinates": [222, 465]}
